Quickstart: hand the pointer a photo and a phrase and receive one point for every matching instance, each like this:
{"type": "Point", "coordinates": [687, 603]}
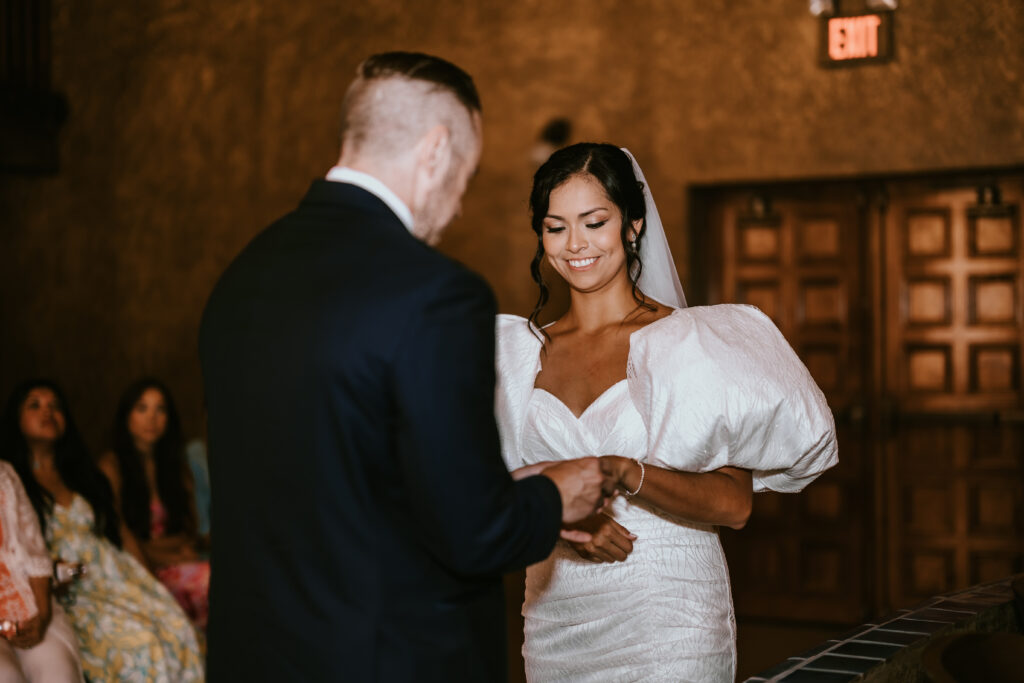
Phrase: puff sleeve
{"type": "Point", "coordinates": [719, 385]}
{"type": "Point", "coordinates": [518, 362]}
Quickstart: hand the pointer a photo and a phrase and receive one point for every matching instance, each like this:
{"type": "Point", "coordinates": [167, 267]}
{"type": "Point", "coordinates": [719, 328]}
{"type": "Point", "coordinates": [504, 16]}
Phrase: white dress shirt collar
{"type": "Point", "coordinates": [343, 174]}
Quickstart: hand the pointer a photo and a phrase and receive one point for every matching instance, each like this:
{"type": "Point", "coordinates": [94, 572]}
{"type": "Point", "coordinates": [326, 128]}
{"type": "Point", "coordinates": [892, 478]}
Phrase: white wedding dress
{"type": "Point", "coordinates": [706, 387]}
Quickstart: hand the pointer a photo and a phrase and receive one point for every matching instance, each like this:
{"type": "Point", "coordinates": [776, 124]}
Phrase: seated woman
{"type": "Point", "coordinates": [153, 492]}
{"type": "Point", "coordinates": [36, 641]}
{"type": "Point", "coordinates": [128, 626]}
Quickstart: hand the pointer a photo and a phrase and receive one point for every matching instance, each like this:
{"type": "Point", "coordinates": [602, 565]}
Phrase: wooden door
{"type": "Point", "coordinates": [905, 299]}
{"type": "Point", "coordinates": [796, 255]}
{"type": "Point", "coordinates": [954, 450]}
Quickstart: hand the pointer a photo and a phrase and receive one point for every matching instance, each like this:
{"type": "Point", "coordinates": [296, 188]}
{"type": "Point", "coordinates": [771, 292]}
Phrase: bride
{"type": "Point", "coordinates": [700, 407]}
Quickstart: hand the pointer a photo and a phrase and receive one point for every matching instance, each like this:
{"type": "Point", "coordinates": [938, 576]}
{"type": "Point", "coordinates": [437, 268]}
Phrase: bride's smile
{"type": "Point", "coordinates": [582, 264]}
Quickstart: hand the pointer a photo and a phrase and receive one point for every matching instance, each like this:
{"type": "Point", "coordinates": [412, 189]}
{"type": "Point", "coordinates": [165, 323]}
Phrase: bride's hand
{"type": "Point", "coordinates": [615, 467]}
{"type": "Point", "coordinates": [609, 540]}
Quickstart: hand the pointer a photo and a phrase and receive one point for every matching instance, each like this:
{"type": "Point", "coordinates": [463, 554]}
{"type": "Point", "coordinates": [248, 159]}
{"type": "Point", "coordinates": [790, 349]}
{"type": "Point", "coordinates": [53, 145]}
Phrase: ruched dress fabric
{"type": "Point", "coordinates": [705, 387]}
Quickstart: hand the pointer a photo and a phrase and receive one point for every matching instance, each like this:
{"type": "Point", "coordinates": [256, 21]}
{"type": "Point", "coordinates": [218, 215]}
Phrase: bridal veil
{"type": "Point", "coordinates": [659, 278]}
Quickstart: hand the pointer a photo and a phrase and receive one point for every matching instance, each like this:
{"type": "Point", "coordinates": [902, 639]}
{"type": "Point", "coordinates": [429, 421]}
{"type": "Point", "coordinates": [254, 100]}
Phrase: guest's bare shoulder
{"type": "Point", "coordinates": [108, 465]}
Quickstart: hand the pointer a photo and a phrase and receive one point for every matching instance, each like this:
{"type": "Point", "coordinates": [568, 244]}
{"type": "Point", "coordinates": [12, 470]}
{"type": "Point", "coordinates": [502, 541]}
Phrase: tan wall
{"type": "Point", "coordinates": [193, 124]}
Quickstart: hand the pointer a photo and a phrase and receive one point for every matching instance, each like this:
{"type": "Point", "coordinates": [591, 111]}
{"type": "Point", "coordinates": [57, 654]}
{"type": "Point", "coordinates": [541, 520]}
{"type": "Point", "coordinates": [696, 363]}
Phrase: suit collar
{"type": "Point", "coordinates": [344, 195]}
{"type": "Point", "coordinates": [343, 174]}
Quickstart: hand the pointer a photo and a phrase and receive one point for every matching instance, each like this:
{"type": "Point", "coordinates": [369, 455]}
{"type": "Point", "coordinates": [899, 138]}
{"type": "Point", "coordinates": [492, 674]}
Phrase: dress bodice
{"type": "Point", "coordinates": [609, 425]}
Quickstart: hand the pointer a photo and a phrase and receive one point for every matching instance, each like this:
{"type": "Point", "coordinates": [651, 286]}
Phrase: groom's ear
{"type": "Point", "coordinates": [435, 150]}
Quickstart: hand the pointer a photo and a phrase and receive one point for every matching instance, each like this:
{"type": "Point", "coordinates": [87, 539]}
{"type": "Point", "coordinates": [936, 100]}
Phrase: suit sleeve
{"type": "Point", "coordinates": [476, 519]}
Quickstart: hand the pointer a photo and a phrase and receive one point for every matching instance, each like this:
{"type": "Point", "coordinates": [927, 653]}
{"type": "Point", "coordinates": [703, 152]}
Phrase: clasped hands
{"type": "Point", "coordinates": [587, 486]}
{"type": "Point", "coordinates": [29, 633]}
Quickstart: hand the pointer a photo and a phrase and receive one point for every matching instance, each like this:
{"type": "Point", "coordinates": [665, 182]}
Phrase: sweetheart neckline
{"type": "Point", "coordinates": [602, 394]}
{"type": "Point", "coordinates": [590, 405]}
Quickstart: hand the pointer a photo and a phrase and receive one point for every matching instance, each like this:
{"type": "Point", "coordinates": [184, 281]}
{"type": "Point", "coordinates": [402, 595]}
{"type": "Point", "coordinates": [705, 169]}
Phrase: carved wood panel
{"type": "Point", "coordinates": [905, 299]}
{"type": "Point", "coordinates": [956, 504]}
{"type": "Point", "coordinates": [953, 342]}
{"type": "Point", "coordinates": [796, 256]}
{"type": "Point", "coordinates": [953, 278]}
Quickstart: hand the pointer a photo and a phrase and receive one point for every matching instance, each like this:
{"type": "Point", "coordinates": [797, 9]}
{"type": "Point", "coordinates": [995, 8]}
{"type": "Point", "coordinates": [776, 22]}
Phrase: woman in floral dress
{"type": "Point", "coordinates": [129, 627]}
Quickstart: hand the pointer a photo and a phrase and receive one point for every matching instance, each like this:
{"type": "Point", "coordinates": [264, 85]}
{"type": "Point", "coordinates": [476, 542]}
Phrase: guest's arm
{"type": "Point", "coordinates": [108, 465]}
{"type": "Point", "coordinates": [36, 563]}
{"type": "Point", "coordinates": [197, 542]}
{"type": "Point", "coordinates": [168, 550]}
{"type": "Point", "coordinates": [179, 547]}
{"type": "Point", "coordinates": [131, 545]}
{"type": "Point", "coordinates": [174, 548]}
{"type": "Point", "coordinates": [31, 631]}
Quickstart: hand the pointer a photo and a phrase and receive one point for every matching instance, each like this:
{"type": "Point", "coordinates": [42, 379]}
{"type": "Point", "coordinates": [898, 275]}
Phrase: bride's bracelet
{"type": "Point", "coordinates": [641, 484]}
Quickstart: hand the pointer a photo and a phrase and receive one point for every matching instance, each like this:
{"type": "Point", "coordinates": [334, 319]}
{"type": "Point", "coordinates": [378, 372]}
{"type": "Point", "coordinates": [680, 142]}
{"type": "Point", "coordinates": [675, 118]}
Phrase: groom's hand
{"type": "Point", "coordinates": [581, 484]}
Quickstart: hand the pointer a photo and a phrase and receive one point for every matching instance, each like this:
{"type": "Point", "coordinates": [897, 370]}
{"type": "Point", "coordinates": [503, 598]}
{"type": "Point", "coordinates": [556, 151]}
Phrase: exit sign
{"type": "Point", "coordinates": [856, 39]}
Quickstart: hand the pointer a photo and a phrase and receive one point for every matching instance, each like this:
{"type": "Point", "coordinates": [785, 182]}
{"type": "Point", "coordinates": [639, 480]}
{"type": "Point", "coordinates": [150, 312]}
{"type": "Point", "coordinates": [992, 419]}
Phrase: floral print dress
{"type": "Point", "coordinates": [129, 627]}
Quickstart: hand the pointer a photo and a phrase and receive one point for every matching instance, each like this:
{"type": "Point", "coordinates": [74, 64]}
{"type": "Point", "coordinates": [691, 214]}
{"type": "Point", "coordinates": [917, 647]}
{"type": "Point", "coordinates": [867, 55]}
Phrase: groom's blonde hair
{"type": "Point", "coordinates": [398, 96]}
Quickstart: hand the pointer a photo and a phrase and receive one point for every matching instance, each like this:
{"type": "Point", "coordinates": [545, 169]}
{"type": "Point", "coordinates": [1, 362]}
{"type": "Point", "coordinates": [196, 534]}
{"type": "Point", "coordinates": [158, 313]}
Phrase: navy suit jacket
{"type": "Point", "coordinates": [362, 515]}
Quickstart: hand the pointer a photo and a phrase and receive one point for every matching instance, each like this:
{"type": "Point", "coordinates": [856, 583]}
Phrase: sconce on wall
{"type": "Point", "coordinates": [820, 8]}
{"type": "Point", "coordinates": [554, 135]}
{"type": "Point", "coordinates": [989, 195]}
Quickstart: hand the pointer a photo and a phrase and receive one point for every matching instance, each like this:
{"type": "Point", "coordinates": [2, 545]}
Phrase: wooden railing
{"type": "Point", "coordinates": [892, 648]}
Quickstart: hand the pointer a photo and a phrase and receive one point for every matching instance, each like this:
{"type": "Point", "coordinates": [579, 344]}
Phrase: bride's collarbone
{"type": "Point", "coordinates": [576, 354]}
{"type": "Point", "coordinates": [580, 372]}
{"type": "Point", "coordinates": [569, 334]}
{"type": "Point", "coordinates": [576, 347]}
{"type": "Point", "coordinates": [579, 365]}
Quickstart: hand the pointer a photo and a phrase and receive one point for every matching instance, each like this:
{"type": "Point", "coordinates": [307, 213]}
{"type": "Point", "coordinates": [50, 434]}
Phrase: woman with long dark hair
{"type": "Point", "coordinates": [153, 492]}
{"type": "Point", "coordinates": [700, 407]}
{"type": "Point", "coordinates": [128, 626]}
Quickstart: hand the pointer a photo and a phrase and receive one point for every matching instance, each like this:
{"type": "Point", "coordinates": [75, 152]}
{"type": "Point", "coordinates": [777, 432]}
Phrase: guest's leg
{"type": "Point", "coordinates": [56, 658]}
{"type": "Point", "coordinates": [10, 667]}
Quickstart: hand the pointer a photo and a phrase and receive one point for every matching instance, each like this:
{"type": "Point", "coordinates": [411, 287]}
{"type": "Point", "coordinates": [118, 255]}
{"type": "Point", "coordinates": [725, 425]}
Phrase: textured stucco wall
{"type": "Point", "coordinates": [193, 124]}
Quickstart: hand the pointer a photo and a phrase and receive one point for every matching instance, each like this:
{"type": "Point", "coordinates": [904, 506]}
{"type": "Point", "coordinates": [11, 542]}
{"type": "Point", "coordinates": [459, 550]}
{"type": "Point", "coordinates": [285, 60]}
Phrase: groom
{"type": "Point", "coordinates": [362, 512]}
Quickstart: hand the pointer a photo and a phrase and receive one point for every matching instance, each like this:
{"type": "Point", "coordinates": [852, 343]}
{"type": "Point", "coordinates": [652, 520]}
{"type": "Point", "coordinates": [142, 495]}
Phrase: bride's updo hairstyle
{"type": "Point", "coordinates": [612, 168]}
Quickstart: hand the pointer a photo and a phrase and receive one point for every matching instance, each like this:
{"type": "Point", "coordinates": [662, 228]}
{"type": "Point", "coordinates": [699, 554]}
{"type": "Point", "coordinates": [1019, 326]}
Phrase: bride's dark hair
{"type": "Point", "coordinates": [611, 167]}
